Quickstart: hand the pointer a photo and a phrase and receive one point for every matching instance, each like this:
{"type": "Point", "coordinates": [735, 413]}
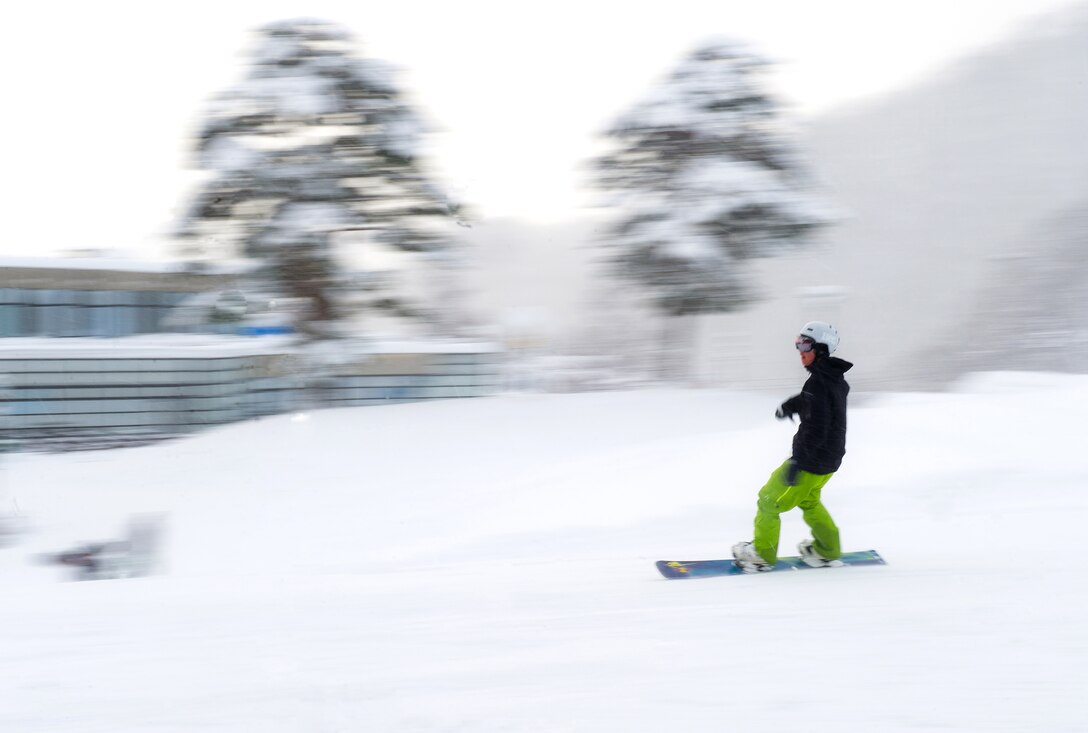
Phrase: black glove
{"type": "Point", "coordinates": [782, 413]}
{"type": "Point", "coordinates": [791, 473]}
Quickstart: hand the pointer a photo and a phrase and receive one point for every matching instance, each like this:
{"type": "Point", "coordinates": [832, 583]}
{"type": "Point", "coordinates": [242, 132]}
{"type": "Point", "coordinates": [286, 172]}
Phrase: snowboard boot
{"type": "Point", "coordinates": [813, 559]}
{"type": "Point", "coordinates": [747, 559]}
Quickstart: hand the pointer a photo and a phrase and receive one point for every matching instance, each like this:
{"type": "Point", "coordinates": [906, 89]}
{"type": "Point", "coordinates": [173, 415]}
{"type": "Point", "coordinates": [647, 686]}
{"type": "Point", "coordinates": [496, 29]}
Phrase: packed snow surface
{"type": "Point", "coordinates": [487, 565]}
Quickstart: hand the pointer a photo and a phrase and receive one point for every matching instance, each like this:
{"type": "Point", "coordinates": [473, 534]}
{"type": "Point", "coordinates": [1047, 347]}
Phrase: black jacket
{"type": "Point", "coordinates": [820, 442]}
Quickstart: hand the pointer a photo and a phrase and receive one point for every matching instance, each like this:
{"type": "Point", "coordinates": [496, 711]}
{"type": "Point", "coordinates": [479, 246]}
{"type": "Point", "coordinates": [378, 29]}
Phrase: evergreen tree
{"type": "Point", "coordinates": [706, 180]}
{"type": "Point", "coordinates": [312, 143]}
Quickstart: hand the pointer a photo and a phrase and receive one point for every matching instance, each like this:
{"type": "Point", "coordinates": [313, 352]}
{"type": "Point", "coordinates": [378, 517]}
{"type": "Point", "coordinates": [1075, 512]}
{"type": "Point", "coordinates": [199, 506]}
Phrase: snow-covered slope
{"type": "Point", "coordinates": [487, 565]}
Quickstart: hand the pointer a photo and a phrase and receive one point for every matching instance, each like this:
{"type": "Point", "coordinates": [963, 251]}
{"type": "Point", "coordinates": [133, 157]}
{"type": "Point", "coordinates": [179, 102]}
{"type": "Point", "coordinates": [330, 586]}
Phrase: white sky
{"type": "Point", "coordinates": [100, 97]}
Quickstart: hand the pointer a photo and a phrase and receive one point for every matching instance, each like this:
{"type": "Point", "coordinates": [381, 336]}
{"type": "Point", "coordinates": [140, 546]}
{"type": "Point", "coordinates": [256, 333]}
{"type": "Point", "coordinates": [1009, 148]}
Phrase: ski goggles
{"type": "Point", "coordinates": [804, 343]}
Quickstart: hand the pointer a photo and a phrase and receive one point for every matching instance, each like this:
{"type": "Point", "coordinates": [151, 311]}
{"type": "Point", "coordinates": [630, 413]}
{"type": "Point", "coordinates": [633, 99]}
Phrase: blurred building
{"type": "Point", "coordinates": [95, 297]}
{"type": "Point", "coordinates": [101, 353]}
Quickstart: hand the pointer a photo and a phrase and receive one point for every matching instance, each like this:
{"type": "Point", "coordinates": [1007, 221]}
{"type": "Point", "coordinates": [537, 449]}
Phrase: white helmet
{"type": "Point", "coordinates": [822, 333]}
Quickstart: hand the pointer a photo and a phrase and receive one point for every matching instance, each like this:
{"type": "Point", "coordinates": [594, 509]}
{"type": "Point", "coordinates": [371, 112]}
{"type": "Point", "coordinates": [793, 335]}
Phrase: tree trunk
{"type": "Point", "coordinates": [678, 349]}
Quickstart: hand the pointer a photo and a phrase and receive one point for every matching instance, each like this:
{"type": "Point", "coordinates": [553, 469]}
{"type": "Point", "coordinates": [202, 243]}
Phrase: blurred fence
{"type": "Point", "coordinates": [111, 397]}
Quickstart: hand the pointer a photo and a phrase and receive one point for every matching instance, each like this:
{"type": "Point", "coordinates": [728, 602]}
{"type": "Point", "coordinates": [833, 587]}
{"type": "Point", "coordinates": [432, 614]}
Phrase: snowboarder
{"type": "Point", "coordinates": [818, 448]}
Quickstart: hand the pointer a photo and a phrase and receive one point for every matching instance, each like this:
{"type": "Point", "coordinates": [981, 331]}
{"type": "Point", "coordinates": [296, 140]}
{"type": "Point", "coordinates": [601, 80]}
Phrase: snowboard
{"type": "Point", "coordinates": [710, 568]}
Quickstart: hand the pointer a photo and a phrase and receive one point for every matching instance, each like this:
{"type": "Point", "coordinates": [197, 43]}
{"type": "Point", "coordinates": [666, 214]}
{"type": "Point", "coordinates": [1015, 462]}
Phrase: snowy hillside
{"type": "Point", "coordinates": [487, 565]}
{"type": "Point", "coordinates": [941, 182]}
{"type": "Point", "coordinates": [1037, 304]}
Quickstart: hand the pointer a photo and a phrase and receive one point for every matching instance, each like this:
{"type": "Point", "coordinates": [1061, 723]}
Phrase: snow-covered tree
{"type": "Point", "coordinates": [706, 179]}
{"type": "Point", "coordinates": [312, 143]}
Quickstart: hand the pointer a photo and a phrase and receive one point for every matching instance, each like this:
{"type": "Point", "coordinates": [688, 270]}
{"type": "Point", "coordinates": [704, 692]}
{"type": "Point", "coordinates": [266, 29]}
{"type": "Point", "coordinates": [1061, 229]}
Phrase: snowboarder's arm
{"type": "Point", "coordinates": [790, 407]}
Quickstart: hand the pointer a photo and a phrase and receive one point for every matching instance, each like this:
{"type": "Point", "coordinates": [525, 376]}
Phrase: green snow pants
{"type": "Point", "coordinates": [776, 497]}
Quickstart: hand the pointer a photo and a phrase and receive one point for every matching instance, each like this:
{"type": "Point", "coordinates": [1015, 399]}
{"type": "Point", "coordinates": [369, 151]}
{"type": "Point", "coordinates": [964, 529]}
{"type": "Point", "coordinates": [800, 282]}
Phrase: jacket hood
{"type": "Point", "coordinates": [831, 363]}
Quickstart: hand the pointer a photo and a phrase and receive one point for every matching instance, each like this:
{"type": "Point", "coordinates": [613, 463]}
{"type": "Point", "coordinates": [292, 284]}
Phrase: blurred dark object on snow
{"type": "Point", "coordinates": [132, 557]}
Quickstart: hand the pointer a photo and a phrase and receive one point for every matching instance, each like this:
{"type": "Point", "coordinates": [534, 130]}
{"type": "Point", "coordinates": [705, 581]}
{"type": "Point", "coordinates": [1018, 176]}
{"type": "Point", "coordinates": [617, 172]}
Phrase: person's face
{"type": "Point", "coordinates": [807, 348]}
